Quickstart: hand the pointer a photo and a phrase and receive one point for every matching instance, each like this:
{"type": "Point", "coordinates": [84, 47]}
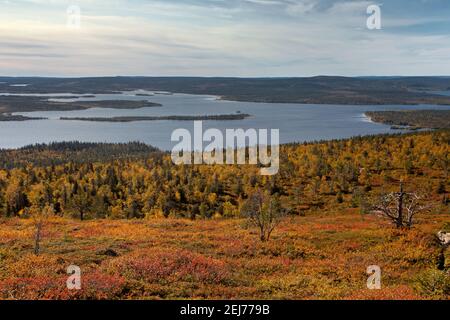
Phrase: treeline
{"type": "Point", "coordinates": [91, 181]}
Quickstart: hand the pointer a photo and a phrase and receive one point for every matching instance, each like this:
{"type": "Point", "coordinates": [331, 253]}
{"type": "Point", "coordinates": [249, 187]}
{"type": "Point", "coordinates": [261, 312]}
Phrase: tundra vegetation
{"type": "Point", "coordinates": [141, 227]}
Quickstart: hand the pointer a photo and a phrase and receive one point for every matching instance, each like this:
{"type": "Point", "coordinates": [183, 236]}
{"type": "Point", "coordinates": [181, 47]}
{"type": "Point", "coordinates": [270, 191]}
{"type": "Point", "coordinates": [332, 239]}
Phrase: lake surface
{"type": "Point", "coordinates": [296, 122]}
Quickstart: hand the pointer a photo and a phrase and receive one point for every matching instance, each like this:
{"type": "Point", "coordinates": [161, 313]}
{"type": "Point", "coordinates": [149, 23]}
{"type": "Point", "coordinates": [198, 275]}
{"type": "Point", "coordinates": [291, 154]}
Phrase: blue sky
{"type": "Point", "coordinates": [224, 38]}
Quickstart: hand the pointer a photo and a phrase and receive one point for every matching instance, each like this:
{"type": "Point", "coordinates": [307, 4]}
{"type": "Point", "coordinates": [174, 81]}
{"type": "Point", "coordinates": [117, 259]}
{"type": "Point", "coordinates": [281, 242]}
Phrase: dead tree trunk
{"type": "Point", "coordinates": [37, 239]}
{"type": "Point", "coordinates": [401, 194]}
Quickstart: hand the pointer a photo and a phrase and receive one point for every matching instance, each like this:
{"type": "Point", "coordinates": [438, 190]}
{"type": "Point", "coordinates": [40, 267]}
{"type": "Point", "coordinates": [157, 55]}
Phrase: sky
{"type": "Point", "coordinates": [242, 38]}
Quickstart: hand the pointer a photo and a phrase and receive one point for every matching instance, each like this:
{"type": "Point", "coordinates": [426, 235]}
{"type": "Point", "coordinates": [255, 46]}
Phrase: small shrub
{"type": "Point", "coordinates": [434, 283]}
{"type": "Point", "coordinates": [161, 265]}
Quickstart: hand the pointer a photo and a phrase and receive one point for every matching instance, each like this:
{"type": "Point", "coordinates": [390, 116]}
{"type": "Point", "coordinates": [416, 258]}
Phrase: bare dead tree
{"type": "Point", "coordinates": [263, 211]}
{"type": "Point", "coordinates": [400, 207]}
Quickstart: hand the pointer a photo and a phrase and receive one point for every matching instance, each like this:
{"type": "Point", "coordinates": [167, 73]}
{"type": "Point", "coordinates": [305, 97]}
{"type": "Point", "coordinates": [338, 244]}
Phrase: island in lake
{"type": "Point", "coordinates": [221, 117]}
{"type": "Point", "coordinates": [13, 103]}
{"type": "Point", "coordinates": [10, 117]}
{"type": "Point", "coordinates": [143, 95]}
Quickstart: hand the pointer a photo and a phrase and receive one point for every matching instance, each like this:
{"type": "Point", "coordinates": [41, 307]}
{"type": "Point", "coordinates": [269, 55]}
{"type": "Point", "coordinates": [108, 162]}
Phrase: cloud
{"type": "Point", "coordinates": [221, 38]}
{"type": "Point", "coordinates": [265, 2]}
{"type": "Point", "coordinates": [301, 7]}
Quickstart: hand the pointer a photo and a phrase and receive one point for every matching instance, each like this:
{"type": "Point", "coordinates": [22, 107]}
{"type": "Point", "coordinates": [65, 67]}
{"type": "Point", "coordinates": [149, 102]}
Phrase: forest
{"type": "Point", "coordinates": [314, 90]}
{"type": "Point", "coordinates": [431, 119]}
{"type": "Point", "coordinates": [139, 183]}
{"type": "Point", "coordinates": [136, 223]}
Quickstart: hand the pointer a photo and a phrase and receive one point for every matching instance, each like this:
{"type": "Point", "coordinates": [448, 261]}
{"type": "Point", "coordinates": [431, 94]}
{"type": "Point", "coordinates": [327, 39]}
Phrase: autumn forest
{"type": "Point", "coordinates": [135, 223]}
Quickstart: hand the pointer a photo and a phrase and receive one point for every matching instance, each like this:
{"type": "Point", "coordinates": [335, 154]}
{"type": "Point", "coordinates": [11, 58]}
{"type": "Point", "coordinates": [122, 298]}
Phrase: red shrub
{"type": "Point", "coordinates": [163, 265]}
{"type": "Point", "coordinates": [94, 286]}
{"type": "Point", "coordinates": [391, 293]}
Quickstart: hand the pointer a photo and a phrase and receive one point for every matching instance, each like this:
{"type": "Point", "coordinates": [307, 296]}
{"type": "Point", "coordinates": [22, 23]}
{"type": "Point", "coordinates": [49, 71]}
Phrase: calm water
{"type": "Point", "coordinates": [297, 122]}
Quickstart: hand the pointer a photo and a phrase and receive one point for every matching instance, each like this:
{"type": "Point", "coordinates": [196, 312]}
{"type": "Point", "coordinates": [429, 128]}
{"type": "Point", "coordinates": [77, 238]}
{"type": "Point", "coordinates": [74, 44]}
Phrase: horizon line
{"type": "Point", "coordinates": [227, 77]}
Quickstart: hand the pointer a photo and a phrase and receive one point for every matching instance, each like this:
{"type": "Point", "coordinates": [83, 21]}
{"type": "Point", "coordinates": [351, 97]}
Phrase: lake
{"type": "Point", "coordinates": [296, 122]}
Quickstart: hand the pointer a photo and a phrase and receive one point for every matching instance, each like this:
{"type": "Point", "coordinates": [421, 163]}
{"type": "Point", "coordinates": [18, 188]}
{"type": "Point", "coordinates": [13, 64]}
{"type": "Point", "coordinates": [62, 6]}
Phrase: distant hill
{"type": "Point", "coordinates": [315, 90]}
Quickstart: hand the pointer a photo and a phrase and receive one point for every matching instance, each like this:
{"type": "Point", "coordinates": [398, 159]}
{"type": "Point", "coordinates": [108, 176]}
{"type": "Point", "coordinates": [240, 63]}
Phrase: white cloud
{"type": "Point", "coordinates": [244, 38]}
{"type": "Point", "coordinates": [301, 7]}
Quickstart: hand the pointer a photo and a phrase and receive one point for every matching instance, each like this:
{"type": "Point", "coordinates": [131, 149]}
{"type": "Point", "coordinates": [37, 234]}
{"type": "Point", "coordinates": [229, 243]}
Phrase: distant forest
{"type": "Point", "coordinates": [315, 90]}
{"type": "Point", "coordinates": [432, 119]}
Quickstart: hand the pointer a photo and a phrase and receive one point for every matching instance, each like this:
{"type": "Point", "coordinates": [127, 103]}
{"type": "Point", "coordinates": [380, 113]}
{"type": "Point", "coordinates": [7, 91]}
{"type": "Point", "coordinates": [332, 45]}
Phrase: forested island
{"type": "Point", "coordinates": [221, 117]}
{"type": "Point", "coordinates": [143, 95]}
{"type": "Point", "coordinates": [10, 117]}
{"type": "Point", "coordinates": [412, 119]}
{"type": "Point", "coordinates": [12, 104]}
